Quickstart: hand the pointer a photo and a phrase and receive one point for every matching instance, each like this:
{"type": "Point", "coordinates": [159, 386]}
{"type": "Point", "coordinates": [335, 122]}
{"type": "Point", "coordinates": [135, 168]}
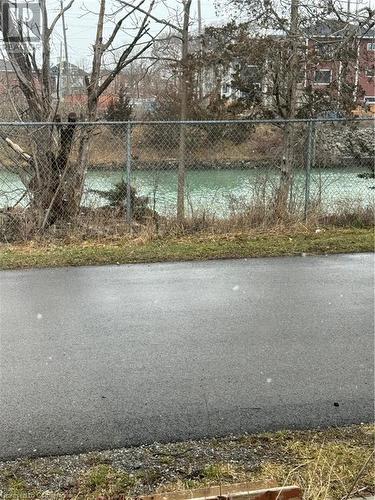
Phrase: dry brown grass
{"type": "Point", "coordinates": [19, 225]}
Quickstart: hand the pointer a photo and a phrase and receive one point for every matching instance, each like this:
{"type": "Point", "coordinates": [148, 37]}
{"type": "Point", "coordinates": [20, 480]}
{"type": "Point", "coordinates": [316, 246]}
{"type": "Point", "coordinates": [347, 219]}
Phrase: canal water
{"type": "Point", "coordinates": [214, 191]}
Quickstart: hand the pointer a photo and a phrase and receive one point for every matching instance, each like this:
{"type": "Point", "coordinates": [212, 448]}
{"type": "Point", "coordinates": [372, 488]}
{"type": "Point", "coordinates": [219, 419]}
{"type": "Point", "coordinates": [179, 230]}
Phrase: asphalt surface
{"type": "Point", "coordinates": [104, 357]}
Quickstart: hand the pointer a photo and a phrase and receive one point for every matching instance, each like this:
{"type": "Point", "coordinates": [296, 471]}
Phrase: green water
{"type": "Point", "coordinates": [215, 191]}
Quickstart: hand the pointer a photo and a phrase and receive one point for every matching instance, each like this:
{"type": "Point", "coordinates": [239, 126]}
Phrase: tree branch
{"type": "Point", "coordinates": [119, 24]}
{"type": "Point", "coordinates": [152, 17]}
{"type": "Point", "coordinates": [59, 15]}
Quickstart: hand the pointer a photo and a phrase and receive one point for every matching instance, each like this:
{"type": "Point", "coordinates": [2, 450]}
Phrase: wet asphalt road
{"type": "Point", "coordinates": [105, 357]}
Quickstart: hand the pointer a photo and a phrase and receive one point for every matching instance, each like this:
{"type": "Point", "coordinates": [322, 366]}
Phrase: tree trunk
{"type": "Point", "coordinates": [75, 179]}
{"type": "Point", "coordinates": [287, 167]}
{"type": "Point", "coordinates": [50, 185]}
{"type": "Point", "coordinates": [183, 113]}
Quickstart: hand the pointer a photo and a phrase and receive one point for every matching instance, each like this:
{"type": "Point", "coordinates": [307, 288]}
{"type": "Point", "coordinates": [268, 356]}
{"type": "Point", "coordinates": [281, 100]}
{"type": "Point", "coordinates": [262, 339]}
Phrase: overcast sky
{"type": "Point", "coordinates": [81, 22]}
{"type": "Point", "coordinates": [81, 26]}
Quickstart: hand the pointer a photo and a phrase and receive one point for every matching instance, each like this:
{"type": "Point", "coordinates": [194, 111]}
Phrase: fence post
{"type": "Point", "coordinates": [309, 164]}
{"type": "Point", "coordinates": [128, 172]}
{"type": "Point", "coordinates": [181, 175]}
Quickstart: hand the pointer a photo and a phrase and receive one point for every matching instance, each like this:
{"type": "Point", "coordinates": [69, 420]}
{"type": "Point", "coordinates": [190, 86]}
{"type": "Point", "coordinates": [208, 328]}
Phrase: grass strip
{"type": "Point", "coordinates": [195, 247]}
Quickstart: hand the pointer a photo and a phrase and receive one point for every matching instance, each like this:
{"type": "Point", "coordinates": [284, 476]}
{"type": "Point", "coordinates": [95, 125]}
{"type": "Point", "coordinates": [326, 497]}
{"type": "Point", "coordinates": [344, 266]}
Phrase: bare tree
{"type": "Point", "coordinates": [55, 188]}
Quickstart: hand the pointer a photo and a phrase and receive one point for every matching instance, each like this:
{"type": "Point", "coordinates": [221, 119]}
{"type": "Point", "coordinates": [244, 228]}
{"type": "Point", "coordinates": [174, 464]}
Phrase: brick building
{"type": "Point", "coordinates": [321, 67]}
{"type": "Point", "coordinates": [356, 67]}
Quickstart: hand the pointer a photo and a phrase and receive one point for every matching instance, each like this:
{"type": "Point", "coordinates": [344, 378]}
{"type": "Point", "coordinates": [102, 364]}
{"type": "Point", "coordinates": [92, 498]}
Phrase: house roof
{"type": "Point", "coordinates": [337, 28]}
{"type": "Point", "coordinates": [55, 70]}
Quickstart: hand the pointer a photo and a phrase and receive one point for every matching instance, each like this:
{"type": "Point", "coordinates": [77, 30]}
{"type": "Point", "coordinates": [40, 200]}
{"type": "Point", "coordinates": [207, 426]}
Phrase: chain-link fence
{"type": "Point", "coordinates": [102, 178]}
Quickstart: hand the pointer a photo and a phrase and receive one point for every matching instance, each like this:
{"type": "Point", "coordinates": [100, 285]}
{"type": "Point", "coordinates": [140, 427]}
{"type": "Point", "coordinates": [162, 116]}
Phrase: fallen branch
{"type": "Point", "coordinates": [16, 148]}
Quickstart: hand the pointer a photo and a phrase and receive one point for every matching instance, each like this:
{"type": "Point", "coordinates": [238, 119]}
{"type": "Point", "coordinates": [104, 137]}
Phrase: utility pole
{"type": "Point", "coordinates": [199, 17]}
{"type": "Point", "coordinates": [184, 89]}
{"type": "Point", "coordinates": [200, 79]}
{"type": "Point", "coordinates": [59, 73]}
{"type": "Point", "coordinates": [66, 68]}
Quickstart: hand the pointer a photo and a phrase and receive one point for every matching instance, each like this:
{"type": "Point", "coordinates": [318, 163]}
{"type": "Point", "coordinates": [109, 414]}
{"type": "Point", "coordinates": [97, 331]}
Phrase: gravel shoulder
{"type": "Point", "coordinates": [329, 463]}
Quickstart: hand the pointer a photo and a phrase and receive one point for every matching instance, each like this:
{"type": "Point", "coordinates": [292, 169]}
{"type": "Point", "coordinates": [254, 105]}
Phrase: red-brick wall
{"type": "Point", "coordinates": [366, 62]}
{"type": "Point", "coordinates": [358, 70]}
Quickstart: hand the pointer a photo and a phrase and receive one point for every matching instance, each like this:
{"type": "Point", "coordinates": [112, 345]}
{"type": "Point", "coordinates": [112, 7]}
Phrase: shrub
{"type": "Point", "coordinates": [117, 198]}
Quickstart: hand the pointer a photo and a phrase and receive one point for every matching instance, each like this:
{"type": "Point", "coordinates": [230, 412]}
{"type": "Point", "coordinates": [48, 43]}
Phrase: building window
{"type": "Point", "coordinates": [370, 72]}
{"type": "Point", "coordinates": [371, 46]}
{"type": "Point", "coordinates": [323, 76]}
{"type": "Point", "coordinates": [325, 50]}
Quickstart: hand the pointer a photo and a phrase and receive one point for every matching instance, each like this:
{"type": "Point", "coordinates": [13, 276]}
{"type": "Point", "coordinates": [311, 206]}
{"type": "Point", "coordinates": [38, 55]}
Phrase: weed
{"type": "Point", "coordinates": [105, 479]}
{"type": "Point", "coordinates": [17, 488]}
{"type": "Point", "coordinates": [97, 477]}
{"type": "Point", "coordinates": [218, 472]}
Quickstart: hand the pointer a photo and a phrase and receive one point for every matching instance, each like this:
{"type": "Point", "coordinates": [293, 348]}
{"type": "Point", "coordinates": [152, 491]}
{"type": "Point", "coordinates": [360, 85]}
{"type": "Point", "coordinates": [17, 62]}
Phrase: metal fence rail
{"type": "Point", "coordinates": [100, 178]}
